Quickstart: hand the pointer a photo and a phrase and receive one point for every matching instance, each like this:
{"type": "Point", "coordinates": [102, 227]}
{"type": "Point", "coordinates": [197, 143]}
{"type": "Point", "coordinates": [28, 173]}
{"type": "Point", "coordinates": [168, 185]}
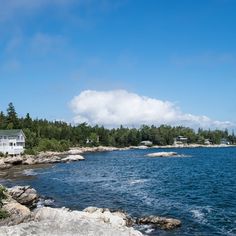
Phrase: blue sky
{"type": "Point", "coordinates": [182, 52]}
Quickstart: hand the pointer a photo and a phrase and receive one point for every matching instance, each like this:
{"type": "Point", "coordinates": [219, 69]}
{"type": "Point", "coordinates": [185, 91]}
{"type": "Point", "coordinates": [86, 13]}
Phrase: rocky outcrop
{"type": "Point", "coordinates": [42, 158]}
{"type": "Point", "coordinates": [71, 158]}
{"type": "Point", "coordinates": [13, 160]}
{"type": "Point", "coordinates": [25, 195]}
{"type": "Point", "coordinates": [74, 154]}
{"type": "Point", "coordinates": [17, 213]}
{"type": "Point", "coordinates": [115, 217]}
{"type": "Point", "coordinates": [62, 222]}
{"type": "Point", "coordinates": [92, 221]}
{"type": "Point", "coordinates": [163, 154]}
{"type": "Point", "coordinates": [4, 165]}
{"type": "Point", "coordinates": [160, 222]}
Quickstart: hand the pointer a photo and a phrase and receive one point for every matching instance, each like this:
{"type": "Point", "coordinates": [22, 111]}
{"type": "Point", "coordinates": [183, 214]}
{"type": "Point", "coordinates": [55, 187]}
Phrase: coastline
{"type": "Point", "coordinates": [23, 216]}
{"type": "Point", "coordinates": [75, 154]}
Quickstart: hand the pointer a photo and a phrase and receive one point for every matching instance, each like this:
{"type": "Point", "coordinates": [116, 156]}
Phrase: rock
{"type": "Point", "coordinates": [72, 158]}
{"type": "Point", "coordinates": [49, 221]}
{"type": "Point", "coordinates": [162, 154]}
{"type": "Point", "coordinates": [116, 217]}
{"type": "Point", "coordinates": [75, 151]}
{"type": "Point", "coordinates": [4, 165]}
{"type": "Point", "coordinates": [160, 222]}
{"type": "Point", "coordinates": [25, 195]}
{"type": "Point", "coordinates": [141, 147]}
{"type": "Point", "coordinates": [18, 213]}
{"type": "Point", "coordinates": [28, 161]}
{"type": "Point", "coordinates": [13, 160]}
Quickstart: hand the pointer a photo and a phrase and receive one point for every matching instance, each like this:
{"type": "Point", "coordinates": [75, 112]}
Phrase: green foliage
{"type": "Point", "coordinates": [12, 119]}
{"type": "Point", "coordinates": [3, 214]}
{"type": "Point", "coordinates": [2, 154]}
{"type": "Point", "coordinates": [52, 145]}
{"type": "Point", "coordinates": [30, 151]}
{"type": "Point", "coordinates": [2, 192]}
{"type": "Point", "coordinates": [44, 135]}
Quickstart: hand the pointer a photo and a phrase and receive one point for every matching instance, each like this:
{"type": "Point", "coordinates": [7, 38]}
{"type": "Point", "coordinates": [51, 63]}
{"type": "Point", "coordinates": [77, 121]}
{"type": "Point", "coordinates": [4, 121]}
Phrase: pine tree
{"type": "Point", "coordinates": [2, 120]}
{"type": "Point", "coordinates": [12, 118]}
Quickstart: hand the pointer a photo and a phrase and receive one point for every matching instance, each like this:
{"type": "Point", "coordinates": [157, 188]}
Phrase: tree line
{"type": "Point", "coordinates": [43, 135]}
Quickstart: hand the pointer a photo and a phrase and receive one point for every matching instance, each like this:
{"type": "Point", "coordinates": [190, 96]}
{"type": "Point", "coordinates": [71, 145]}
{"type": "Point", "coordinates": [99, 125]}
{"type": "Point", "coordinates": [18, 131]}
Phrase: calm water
{"type": "Point", "coordinates": [200, 190]}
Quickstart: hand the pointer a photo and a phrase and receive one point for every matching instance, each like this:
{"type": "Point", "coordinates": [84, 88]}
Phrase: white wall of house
{"type": "Point", "coordinates": [12, 144]}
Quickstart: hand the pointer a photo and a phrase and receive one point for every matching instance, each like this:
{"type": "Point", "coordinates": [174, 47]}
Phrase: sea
{"type": "Point", "coordinates": [198, 187]}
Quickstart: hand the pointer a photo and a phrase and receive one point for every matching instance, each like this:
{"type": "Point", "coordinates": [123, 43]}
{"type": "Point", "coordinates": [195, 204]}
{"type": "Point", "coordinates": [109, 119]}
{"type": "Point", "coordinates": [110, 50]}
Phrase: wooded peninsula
{"type": "Point", "coordinates": [44, 135]}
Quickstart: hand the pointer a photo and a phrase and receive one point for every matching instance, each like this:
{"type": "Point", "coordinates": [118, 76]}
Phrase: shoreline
{"type": "Point", "coordinates": [75, 154]}
{"type": "Point", "coordinates": [23, 216]}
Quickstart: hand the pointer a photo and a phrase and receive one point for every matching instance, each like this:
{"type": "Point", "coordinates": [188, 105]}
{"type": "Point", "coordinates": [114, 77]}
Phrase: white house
{"type": "Point", "coordinates": [180, 140]}
{"type": "Point", "coordinates": [12, 142]}
{"type": "Point", "coordinates": [146, 143]}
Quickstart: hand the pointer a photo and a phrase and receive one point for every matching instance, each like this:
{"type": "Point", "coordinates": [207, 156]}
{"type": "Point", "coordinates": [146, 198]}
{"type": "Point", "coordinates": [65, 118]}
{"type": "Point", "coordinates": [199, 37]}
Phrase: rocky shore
{"type": "Point", "coordinates": [74, 154]}
{"type": "Point", "coordinates": [24, 218]}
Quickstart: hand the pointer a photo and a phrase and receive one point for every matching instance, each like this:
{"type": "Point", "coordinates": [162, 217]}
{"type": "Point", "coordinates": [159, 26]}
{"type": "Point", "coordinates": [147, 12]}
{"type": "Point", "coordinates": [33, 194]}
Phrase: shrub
{"type": "Point", "coordinates": [53, 145]}
{"type": "Point", "coordinates": [2, 154]}
{"type": "Point", "coordinates": [2, 192]}
{"type": "Point", "coordinates": [3, 214]}
{"type": "Point", "coordinates": [30, 152]}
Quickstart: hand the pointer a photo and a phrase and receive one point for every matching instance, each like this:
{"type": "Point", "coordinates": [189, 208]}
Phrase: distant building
{"type": "Point", "coordinates": [224, 141]}
{"type": "Point", "coordinates": [12, 142]}
{"type": "Point", "coordinates": [207, 142]}
{"type": "Point", "coordinates": [146, 143]}
{"type": "Point", "coordinates": [180, 140]}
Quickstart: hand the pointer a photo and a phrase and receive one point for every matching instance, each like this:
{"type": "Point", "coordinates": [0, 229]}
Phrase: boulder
{"type": "Point", "coordinates": [51, 221]}
{"type": "Point", "coordinates": [29, 161]}
{"type": "Point", "coordinates": [160, 222]}
{"type": "Point", "coordinates": [17, 213]}
{"type": "Point", "coordinates": [13, 160]}
{"type": "Point", "coordinates": [4, 165]}
{"type": "Point", "coordinates": [72, 158]}
{"type": "Point", "coordinates": [25, 195]}
{"type": "Point", "coordinates": [162, 154]}
{"type": "Point", "coordinates": [115, 218]}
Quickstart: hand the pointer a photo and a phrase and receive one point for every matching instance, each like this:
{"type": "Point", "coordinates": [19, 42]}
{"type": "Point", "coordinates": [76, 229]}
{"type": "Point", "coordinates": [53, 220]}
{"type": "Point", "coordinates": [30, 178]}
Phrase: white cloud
{"type": "Point", "coordinates": [116, 107]}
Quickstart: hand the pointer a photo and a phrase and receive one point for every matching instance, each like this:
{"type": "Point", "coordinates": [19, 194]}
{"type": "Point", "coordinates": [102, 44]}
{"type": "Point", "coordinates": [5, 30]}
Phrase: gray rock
{"type": "Point", "coordinates": [162, 154]}
{"type": "Point", "coordinates": [160, 222]}
{"type": "Point", "coordinates": [13, 160]}
{"type": "Point", "coordinates": [61, 222]}
{"type": "Point", "coordinates": [4, 165]}
{"type": "Point", "coordinates": [17, 213]}
{"type": "Point", "coordinates": [25, 195]}
{"type": "Point", "coordinates": [71, 158]}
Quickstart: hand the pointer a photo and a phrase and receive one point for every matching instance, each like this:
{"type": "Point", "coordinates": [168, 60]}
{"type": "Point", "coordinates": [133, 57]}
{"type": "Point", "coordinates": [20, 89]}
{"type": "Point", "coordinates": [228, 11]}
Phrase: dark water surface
{"type": "Point", "coordinates": [199, 190]}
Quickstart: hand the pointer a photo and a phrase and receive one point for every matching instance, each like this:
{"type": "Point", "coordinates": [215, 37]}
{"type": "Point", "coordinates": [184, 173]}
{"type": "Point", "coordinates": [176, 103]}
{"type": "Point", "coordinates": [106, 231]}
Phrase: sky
{"type": "Point", "coordinates": [112, 62]}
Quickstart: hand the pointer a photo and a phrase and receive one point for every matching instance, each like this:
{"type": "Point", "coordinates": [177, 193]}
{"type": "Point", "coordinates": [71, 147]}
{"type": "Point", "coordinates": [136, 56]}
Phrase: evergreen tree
{"type": "Point", "coordinates": [12, 119]}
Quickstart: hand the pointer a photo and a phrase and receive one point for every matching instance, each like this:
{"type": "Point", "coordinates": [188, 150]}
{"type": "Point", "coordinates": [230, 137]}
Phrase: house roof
{"type": "Point", "coordinates": [10, 132]}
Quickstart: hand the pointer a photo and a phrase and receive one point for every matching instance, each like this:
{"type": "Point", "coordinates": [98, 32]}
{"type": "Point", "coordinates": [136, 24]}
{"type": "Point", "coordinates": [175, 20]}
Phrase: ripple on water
{"type": "Point", "coordinates": [200, 191]}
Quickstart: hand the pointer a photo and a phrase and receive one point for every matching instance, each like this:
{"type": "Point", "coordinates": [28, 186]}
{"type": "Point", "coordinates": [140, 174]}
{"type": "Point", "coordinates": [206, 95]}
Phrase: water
{"type": "Point", "coordinates": [199, 190]}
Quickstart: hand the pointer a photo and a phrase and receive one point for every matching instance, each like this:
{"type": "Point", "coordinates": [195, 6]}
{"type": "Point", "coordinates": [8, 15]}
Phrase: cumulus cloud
{"type": "Point", "coordinates": [116, 107]}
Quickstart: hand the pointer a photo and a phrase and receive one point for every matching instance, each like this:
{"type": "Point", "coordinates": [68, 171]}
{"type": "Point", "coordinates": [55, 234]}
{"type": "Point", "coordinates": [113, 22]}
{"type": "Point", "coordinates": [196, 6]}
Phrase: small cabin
{"type": "Point", "coordinates": [224, 141]}
{"type": "Point", "coordinates": [180, 140]}
{"type": "Point", "coordinates": [146, 143]}
{"type": "Point", "coordinates": [12, 142]}
{"type": "Point", "coordinates": [207, 142]}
